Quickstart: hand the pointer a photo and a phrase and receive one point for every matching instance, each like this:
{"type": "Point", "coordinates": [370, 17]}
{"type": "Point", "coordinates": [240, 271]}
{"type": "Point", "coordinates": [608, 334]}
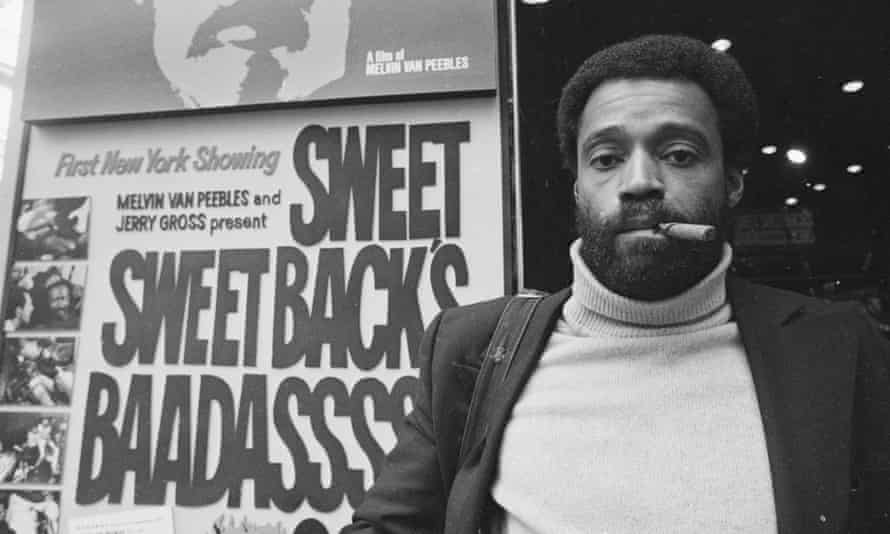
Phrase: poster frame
{"type": "Point", "coordinates": [16, 207]}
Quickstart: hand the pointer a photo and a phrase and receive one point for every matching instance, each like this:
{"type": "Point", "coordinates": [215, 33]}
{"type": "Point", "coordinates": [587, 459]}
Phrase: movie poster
{"type": "Point", "coordinates": [108, 57]}
{"type": "Point", "coordinates": [220, 314]}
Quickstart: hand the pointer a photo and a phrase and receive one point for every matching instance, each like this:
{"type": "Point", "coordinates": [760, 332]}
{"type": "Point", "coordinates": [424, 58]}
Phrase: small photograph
{"type": "Point", "coordinates": [52, 229]}
{"type": "Point", "coordinates": [32, 447]}
{"type": "Point", "coordinates": [37, 371]}
{"type": "Point", "coordinates": [29, 512]}
{"type": "Point", "coordinates": [44, 296]}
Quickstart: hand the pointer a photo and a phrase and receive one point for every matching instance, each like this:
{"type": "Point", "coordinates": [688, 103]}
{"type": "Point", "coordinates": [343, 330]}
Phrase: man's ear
{"type": "Point", "coordinates": [735, 185]}
{"type": "Point", "coordinates": [575, 188]}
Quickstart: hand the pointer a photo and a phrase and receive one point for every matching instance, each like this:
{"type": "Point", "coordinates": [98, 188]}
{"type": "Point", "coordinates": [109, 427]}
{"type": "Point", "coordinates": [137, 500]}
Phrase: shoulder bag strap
{"type": "Point", "coordinates": [496, 364]}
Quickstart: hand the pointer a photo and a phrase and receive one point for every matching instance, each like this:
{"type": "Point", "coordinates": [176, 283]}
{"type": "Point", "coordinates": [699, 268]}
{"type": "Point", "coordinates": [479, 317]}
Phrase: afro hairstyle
{"type": "Point", "coordinates": [666, 57]}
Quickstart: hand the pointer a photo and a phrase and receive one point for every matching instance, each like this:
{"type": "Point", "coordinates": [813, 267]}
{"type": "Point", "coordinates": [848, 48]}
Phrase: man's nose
{"type": "Point", "coordinates": [641, 177]}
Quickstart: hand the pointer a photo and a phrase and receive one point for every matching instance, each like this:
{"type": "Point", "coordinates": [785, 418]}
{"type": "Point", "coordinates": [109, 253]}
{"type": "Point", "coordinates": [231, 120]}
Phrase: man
{"type": "Point", "coordinates": [53, 228]}
{"type": "Point", "coordinates": [43, 375]}
{"type": "Point", "coordinates": [47, 510]}
{"type": "Point", "coordinates": [220, 52]}
{"type": "Point", "coordinates": [18, 310]}
{"type": "Point", "coordinates": [29, 383]}
{"type": "Point", "coordinates": [658, 393]}
{"type": "Point", "coordinates": [60, 299]}
{"type": "Point", "coordinates": [32, 516]}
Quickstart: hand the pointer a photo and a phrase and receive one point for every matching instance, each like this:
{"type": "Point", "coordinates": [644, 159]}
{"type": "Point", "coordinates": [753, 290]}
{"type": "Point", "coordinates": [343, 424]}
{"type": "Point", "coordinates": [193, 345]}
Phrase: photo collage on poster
{"type": "Point", "coordinates": [38, 358]}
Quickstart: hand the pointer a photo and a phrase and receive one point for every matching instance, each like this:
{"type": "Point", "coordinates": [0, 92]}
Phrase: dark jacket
{"type": "Point", "coordinates": [822, 377]}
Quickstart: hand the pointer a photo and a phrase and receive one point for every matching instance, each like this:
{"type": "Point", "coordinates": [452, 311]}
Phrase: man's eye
{"type": "Point", "coordinates": [605, 161]}
{"type": "Point", "coordinates": [681, 158]}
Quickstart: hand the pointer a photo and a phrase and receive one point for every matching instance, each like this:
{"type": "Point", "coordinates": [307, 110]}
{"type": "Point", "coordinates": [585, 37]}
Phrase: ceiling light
{"type": "Point", "coordinates": [853, 86]}
{"type": "Point", "coordinates": [721, 45]}
{"type": "Point", "coordinates": [819, 187]}
{"type": "Point", "coordinates": [796, 156]}
{"type": "Point", "coordinates": [535, 2]}
{"type": "Point", "coordinates": [769, 149]}
{"type": "Point", "coordinates": [791, 201]}
{"type": "Point", "coordinates": [854, 168]}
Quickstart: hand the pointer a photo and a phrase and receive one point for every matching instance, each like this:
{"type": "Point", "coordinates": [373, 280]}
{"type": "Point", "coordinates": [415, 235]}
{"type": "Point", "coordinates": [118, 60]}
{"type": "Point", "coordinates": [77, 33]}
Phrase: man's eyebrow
{"type": "Point", "coordinates": [609, 132]}
{"type": "Point", "coordinates": [672, 130]}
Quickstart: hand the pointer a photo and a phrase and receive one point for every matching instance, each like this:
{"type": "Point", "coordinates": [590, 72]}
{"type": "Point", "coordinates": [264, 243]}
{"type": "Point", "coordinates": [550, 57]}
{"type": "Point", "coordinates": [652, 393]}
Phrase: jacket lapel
{"type": "Point", "coordinates": [755, 328]}
{"type": "Point", "coordinates": [803, 371]}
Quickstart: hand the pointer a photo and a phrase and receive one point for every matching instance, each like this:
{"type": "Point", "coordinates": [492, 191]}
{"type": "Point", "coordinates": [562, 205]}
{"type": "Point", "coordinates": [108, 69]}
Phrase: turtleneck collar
{"type": "Point", "coordinates": [594, 309]}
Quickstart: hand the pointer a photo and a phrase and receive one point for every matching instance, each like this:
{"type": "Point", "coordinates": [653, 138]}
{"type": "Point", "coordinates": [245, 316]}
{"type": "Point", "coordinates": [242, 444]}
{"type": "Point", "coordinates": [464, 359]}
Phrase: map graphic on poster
{"type": "Point", "coordinates": [111, 57]}
{"type": "Point", "coordinates": [220, 315]}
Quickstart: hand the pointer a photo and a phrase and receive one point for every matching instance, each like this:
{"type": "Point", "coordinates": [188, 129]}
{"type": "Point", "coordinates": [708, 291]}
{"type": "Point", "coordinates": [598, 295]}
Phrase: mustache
{"type": "Point", "coordinates": [639, 214]}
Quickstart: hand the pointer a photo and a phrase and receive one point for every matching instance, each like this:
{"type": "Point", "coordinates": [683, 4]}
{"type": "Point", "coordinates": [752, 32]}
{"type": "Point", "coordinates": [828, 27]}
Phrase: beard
{"type": "Point", "coordinates": [649, 269]}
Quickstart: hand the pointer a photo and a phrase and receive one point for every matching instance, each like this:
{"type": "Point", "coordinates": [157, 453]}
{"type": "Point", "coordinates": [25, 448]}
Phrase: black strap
{"type": "Point", "coordinates": [496, 363]}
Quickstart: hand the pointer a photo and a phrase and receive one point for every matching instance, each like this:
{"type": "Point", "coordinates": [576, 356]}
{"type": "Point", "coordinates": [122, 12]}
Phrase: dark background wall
{"type": "Point", "coordinates": [797, 58]}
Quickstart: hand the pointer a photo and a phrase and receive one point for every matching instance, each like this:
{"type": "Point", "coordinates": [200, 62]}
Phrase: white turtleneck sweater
{"type": "Point", "coordinates": [641, 417]}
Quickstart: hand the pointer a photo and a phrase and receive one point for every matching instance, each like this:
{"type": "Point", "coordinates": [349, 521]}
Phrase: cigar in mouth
{"type": "Point", "coordinates": [692, 232]}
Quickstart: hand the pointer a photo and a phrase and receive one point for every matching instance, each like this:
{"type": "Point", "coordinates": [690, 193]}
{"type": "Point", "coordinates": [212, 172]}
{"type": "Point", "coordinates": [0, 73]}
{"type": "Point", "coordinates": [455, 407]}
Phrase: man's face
{"type": "Point", "coordinates": [649, 151]}
{"type": "Point", "coordinates": [60, 301]}
{"type": "Point", "coordinates": [225, 52]}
